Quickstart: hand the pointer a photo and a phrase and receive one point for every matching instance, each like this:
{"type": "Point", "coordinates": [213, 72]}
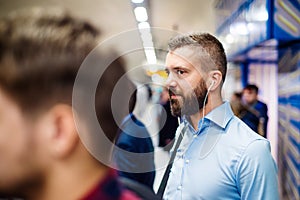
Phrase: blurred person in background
{"type": "Point", "coordinates": [133, 137]}
{"type": "Point", "coordinates": [41, 154]}
{"type": "Point", "coordinates": [236, 104]}
{"type": "Point", "coordinates": [167, 123]}
{"type": "Point", "coordinates": [257, 116]}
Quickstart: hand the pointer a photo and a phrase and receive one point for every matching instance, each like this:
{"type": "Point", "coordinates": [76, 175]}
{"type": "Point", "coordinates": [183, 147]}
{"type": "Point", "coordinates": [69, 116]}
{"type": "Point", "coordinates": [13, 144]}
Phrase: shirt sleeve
{"type": "Point", "coordinates": [257, 173]}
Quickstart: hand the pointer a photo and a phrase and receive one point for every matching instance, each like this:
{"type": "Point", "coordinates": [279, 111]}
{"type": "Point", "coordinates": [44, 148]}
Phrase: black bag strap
{"type": "Point", "coordinates": [139, 189]}
{"type": "Point", "coordinates": [165, 178]}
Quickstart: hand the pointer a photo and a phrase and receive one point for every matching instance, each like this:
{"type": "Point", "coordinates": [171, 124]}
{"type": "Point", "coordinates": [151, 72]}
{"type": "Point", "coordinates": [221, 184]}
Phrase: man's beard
{"type": "Point", "coordinates": [190, 104]}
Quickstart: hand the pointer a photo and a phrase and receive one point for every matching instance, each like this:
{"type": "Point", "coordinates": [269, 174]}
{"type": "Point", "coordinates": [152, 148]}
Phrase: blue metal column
{"type": "Point", "coordinates": [244, 73]}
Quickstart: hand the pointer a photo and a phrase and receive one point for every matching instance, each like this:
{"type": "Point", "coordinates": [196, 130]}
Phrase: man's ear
{"type": "Point", "coordinates": [215, 79]}
{"type": "Point", "coordinates": [60, 131]}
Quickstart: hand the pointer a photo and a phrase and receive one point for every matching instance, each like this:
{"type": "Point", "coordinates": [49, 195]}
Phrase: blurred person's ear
{"type": "Point", "coordinates": [60, 131]}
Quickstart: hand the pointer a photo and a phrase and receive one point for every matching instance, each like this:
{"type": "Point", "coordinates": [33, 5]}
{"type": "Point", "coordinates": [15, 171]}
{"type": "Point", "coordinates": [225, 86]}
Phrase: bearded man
{"type": "Point", "coordinates": [219, 156]}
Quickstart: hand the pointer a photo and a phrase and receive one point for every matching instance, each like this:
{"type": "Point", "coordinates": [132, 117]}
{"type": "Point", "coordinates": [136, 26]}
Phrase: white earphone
{"type": "Point", "coordinates": [211, 85]}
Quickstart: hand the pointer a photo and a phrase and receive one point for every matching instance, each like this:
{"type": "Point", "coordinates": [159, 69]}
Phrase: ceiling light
{"type": "Point", "coordinates": [137, 1]}
{"type": "Point", "coordinates": [229, 39]}
{"type": "Point", "coordinates": [144, 29]}
{"type": "Point", "coordinates": [239, 28]}
{"type": "Point", "coordinates": [150, 55]}
{"type": "Point", "coordinates": [144, 25]}
{"type": "Point", "coordinates": [141, 14]}
{"type": "Point", "coordinates": [146, 36]}
{"type": "Point", "coordinates": [257, 14]}
{"type": "Point", "coordinates": [148, 43]}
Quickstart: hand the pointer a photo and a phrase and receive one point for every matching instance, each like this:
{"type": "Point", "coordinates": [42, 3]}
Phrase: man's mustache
{"type": "Point", "coordinates": [174, 92]}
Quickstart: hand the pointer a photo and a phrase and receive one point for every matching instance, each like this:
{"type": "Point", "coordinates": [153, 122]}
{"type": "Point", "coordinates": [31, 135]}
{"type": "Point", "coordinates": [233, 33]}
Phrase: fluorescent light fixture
{"type": "Point", "coordinates": [148, 43]}
{"type": "Point", "coordinates": [150, 55]}
{"type": "Point", "coordinates": [251, 27]}
{"type": "Point", "coordinates": [144, 29]}
{"type": "Point", "coordinates": [239, 28]}
{"type": "Point", "coordinates": [137, 1]}
{"type": "Point", "coordinates": [229, 39]}
{"type": "Point", "coordinates": [145, 33]}
{"type": "Point", "coordinates": [262, 16]}
{"type": "Point", "coordinates": [144, 25]}
{"type": "Point", "coordinates": [146, 36]}
{"type": "Point", "coordinates": [141, 14]}
{"type": "Point", "coordinates": [257, 14]}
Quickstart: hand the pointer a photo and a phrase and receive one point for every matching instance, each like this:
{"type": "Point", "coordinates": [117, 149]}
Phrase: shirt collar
{"type": "Point", "coordinates": [220, 116]}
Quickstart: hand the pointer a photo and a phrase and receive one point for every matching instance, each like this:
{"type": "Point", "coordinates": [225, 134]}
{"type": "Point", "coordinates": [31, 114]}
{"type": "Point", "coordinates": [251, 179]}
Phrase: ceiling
{"type": "Point", "coordinates": [118, 25]}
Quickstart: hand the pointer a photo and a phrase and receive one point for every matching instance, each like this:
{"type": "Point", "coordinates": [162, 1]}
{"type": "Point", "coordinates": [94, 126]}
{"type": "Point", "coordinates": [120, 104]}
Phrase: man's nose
{"type": "Point", "coordinates": [171, 82]}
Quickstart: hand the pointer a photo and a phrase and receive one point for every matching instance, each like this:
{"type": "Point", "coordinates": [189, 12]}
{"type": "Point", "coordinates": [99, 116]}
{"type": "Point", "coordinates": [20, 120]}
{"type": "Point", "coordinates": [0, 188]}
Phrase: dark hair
{"type": "Point", "coordinates": [132, 101]}
{"type": "Point", "coordinates": [40, 54]}
{"type": "Point", "coordinates": [149, 92]}
{"type": "Point", "coordinates": [208, 46]}
{"type": "Point", "coordinates": [251, 87]}
{"type": "Point", "coordinates": [41, 51]}
{"type": "Point", "coordinates": [238, 95]}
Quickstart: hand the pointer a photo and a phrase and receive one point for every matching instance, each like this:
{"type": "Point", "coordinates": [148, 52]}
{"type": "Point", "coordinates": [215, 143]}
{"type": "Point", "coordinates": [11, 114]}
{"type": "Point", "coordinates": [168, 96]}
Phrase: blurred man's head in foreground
{"type": "Point", "coordinates": [41, 52]}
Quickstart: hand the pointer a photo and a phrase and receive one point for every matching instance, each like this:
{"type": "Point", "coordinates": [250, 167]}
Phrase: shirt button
{"type": "Point", "coordinates": [179, 187]}
{"type": "Point", "coordinates": [187, 161]}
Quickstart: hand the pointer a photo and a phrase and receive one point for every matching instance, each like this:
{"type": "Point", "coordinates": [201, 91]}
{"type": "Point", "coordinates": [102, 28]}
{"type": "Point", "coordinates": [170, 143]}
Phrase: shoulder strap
{"type": "Point", "coordinates": [165, 178]}
{"type": "Point", "coordinates": [139, 189]}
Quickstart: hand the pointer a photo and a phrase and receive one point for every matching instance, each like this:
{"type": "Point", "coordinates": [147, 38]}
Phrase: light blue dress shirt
{"type": "Point", "coordinates": [224, 159]}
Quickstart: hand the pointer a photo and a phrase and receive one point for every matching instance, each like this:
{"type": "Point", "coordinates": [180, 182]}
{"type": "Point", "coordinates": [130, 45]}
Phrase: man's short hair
{"type": "Point", "coordinates": [210, 50]}
{"type": "Point", "coordinates": [41, 51]}
{"type": "Point", "coordinates": [251, 87]}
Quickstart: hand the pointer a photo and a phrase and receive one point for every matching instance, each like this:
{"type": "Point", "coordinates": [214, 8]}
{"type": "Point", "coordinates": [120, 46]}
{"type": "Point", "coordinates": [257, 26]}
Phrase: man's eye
{"type": "Point", "coordinates": [180, 72]}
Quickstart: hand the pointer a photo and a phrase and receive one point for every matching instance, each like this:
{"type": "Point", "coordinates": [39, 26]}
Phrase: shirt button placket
{"type": "Point", "coordinates": [179, 187]}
